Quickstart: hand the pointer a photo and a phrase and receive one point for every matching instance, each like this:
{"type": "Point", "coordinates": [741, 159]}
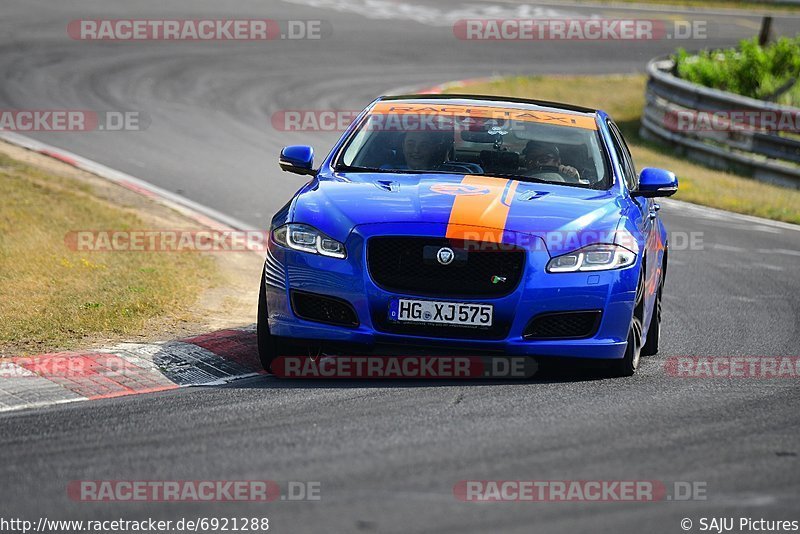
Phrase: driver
{"type": "Point", "coordinates": [426, 150]}
{"type": "Point", "coordinates": [543, 159]}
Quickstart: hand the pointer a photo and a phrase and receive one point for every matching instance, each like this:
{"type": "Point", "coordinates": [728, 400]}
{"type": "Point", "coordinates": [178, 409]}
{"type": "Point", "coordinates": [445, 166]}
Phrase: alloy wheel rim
{"type": "Point", "coordinates": [635, 336]}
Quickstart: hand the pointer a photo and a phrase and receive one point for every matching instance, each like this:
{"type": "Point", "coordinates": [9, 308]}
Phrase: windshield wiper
{"type": "Point", "coordinates": [355, 168]}
{"type": "Point", "coordinates": [518, 177]}
{"type": "Point", "coordinates": [533, 179]}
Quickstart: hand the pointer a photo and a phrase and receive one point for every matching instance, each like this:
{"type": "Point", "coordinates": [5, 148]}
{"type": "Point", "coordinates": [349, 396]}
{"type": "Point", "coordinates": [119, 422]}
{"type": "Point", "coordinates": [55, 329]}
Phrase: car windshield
{"type": "Point", "coordinates": [529, 145]}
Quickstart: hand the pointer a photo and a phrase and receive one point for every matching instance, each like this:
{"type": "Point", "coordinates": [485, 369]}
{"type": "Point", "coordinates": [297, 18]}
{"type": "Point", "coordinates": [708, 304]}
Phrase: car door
{"type": "Point", "coordinates": [643, 209]}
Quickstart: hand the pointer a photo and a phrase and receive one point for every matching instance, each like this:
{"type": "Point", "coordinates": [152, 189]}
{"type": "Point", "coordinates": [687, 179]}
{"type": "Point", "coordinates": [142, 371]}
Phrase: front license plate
{"type": "Point", "coordinates": [436, 312]}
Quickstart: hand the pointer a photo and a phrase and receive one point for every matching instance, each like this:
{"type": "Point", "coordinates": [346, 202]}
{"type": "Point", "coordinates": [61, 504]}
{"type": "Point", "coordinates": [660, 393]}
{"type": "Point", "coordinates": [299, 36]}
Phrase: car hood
{"type": "Point", "coordinates": [338, 203]}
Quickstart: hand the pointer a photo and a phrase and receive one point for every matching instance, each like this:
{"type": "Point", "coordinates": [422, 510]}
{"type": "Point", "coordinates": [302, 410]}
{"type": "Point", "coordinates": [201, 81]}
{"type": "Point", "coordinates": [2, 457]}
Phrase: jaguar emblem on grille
{"type": "Point", "coordinates": [445, 255]}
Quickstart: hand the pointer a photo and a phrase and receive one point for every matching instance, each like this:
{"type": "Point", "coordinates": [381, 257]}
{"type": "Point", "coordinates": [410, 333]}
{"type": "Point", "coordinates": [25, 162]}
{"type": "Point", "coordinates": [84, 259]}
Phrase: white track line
{"type": "Point", "coordinates": [203, 214]}
{"type": "Point", "coordinates": [681, 205]}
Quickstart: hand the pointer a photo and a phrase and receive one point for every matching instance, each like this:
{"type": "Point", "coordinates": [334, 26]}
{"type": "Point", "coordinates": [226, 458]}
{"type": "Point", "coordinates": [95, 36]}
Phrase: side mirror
{"type": "Point", "coordinates": [656, 183]}
{"type": "Point", "coordinates": [298, 159]}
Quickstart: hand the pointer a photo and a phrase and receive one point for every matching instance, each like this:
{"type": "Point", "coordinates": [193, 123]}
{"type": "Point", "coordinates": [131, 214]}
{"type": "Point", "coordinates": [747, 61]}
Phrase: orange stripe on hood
{"type": "Point", "coordinates": [489, 211]}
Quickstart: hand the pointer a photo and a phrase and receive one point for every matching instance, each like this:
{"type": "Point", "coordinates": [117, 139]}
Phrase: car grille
{"type": "Point", "coordinates": [409, 265]}
{"type": "Point", "coordinates": [323, 309]}
{"type": "Point", "coordinates": [563, 325]}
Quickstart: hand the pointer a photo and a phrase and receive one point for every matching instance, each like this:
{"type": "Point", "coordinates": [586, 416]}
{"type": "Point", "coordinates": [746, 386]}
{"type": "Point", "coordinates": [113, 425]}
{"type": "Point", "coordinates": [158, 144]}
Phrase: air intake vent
{"type": "Point", "coordinates": [323, 309]}
{"type": "Point", "coordinates": [563, 325]}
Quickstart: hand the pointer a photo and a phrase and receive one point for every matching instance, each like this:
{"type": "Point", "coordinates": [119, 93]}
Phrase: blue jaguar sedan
{"type": "Point", "coordinates": [469, 223]}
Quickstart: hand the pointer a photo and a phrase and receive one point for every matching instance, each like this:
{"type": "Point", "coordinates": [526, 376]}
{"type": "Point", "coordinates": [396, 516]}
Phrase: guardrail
{"type": "Point", "coordinates": [691, 118]}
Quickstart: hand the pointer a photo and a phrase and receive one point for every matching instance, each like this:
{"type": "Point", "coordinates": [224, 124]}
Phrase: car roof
{"type": "Point", "coordinates": [489, 100]}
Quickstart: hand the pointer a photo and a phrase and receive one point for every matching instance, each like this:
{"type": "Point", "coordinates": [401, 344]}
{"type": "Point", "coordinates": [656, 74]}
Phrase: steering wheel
{"type": "Point", "coordinates": [548, 168]}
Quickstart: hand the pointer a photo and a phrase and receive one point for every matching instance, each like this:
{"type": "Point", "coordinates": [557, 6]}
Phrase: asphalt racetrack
{"type": "Point", "coordinates": [388, 454]}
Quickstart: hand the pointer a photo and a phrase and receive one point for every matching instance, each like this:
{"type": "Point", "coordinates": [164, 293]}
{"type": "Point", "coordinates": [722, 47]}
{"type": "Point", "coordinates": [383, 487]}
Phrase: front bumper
{"type": "Point", "coordinates": [612, 292]}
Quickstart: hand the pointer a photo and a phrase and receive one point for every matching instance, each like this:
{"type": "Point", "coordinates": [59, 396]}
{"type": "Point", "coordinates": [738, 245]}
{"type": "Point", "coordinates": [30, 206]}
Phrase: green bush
{"type": "Point", "coordinates": [751, 70]}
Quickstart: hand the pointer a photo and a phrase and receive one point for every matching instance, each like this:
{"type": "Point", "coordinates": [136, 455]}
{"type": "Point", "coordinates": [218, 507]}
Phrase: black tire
{"type": "Point", "coordinates": [650, 347]}
{"type": "Point", "coordinates": [267, 343]}
{"type": "Point", "coordinates": [630, 362]}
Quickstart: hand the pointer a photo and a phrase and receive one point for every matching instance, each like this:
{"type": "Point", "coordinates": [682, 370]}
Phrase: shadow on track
{"type": "Point", "coordinates": [549, 372]}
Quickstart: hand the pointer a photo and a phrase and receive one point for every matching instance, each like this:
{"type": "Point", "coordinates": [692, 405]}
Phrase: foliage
{"type": "Point", "coordinates": [750, 70]}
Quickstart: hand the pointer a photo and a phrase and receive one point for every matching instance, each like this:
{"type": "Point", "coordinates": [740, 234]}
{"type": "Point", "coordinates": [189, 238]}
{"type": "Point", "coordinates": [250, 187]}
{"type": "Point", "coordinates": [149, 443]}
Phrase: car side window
{"type": "Point", "coordinates": [628, 169]}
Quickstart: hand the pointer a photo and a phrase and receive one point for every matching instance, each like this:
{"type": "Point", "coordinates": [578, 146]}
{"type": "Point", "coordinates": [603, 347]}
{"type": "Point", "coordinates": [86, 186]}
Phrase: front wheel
{"type": "Point", "coordinates": [650, 347]}
{"type": "Point", "coordinates": [630, 361]}
{"type": "Point", "coordinates": [271, 346]}
{"type": "Point", "coordinates": [267, 343]}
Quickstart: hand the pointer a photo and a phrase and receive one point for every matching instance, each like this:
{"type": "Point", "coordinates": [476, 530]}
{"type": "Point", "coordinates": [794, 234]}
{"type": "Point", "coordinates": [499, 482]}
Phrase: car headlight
{"type": "Point", "coordinates": [592, 258]}
{"type": "Point", "coordinates": [308, 239]}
